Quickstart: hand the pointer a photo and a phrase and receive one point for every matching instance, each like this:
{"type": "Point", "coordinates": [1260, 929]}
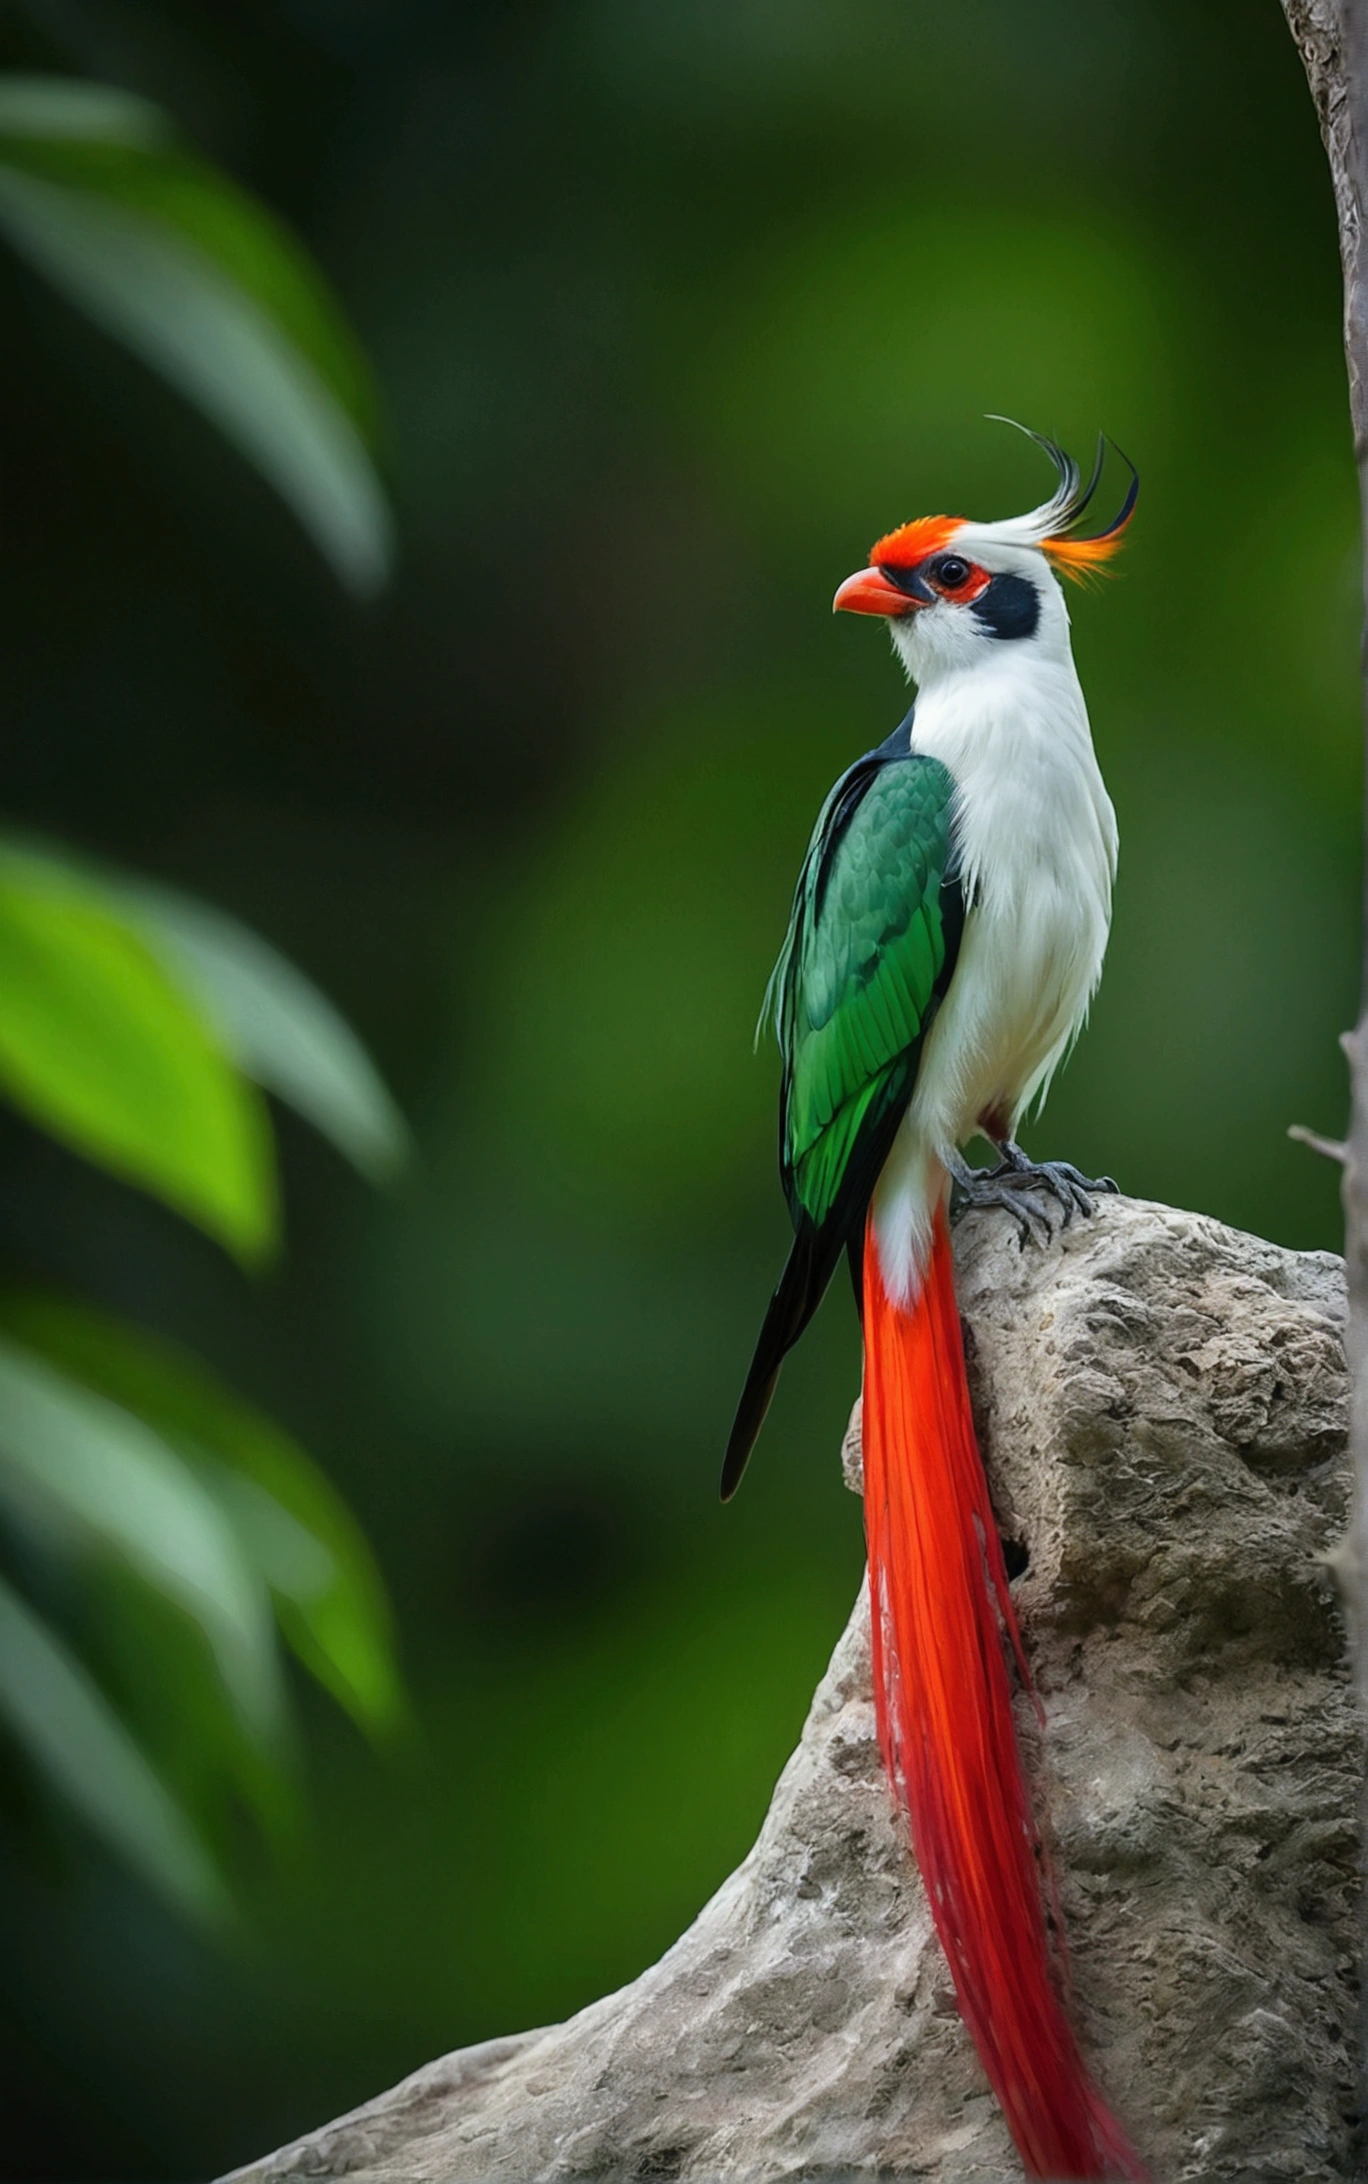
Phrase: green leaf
{"type": "Point", "coordinates": [293, 1528]}
{"type": "Point", "coordinates": [83, 1472]}
{"type": "Point", "coordinates": [277, 1026]}
{"type": "Point", "coordinates": [63, 1720]}
{"type": "Point", "coordinates": [195, 277]}
{"type": "Point", "coordinates": [271, 1020]}
{"type": "Point", "coordinates": [99, 1044]}
{"type": "Point", "coordinates": [65, 108]}
{"type": "Point", "coordinates": [164, 1682]}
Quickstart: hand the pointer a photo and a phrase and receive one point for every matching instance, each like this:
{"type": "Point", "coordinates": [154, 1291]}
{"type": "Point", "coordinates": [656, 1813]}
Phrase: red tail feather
{"type": "Point", "coordinates": [939, 1597]}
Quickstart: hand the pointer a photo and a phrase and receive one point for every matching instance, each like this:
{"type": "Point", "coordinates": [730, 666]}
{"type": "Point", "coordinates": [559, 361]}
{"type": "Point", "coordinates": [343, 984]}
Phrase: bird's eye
{"type": "Point", "coordinates": [951, 571]}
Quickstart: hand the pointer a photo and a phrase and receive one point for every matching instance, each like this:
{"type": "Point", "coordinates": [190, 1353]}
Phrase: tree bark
{"type": "Point", "coordinates": [1163, 1408]}
{"type": "Point", "coordinates": [1332, 38]}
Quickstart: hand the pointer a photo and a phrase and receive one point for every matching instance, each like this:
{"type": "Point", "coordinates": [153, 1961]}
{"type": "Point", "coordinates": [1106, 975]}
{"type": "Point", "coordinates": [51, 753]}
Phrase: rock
{"type": "Point", "coordinates": [1163, 1405]}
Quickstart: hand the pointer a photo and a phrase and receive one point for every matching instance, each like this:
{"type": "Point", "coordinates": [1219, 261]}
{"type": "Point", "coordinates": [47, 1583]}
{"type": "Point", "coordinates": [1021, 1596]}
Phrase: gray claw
{"type": "Point", "coordinates": [1033, 1223]}
{"type": "Point", "coordinates": [974, 1188]}
{"type": "Point", "coordinates": [1018, 1184]}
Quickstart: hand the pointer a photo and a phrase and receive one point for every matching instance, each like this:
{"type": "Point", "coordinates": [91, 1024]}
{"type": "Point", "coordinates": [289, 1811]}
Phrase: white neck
{"type": "Point", "coordinates": [1013, 730]}
{"type": "Point", "coordinates": [1037, 837]}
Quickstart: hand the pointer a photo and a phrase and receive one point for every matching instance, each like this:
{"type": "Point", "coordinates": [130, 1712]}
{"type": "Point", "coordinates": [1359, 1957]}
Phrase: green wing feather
{"type": "Point", "coordinates": [870, 945]}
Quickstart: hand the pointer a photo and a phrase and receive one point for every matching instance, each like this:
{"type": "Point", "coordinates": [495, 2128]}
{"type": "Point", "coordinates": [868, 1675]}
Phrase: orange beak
{"type": "Point", "coordinates": [868, 591]}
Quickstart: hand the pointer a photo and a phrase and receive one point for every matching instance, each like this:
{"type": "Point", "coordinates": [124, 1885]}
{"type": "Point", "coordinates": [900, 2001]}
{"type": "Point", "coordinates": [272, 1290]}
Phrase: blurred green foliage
{"type": "Point", "coordinates": [133, 1024]}
{"type": "Point", "coordinates": [676, 308]}
{"type": "Point", "coordinates": [199, 280]}
{"type": "Point", "coordinates": [101, 1046]}
{"type": "Point", "coordinates": [113, 1453]}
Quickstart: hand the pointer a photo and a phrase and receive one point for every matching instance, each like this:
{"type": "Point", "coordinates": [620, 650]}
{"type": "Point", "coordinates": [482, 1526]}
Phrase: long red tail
{"type": "Point", "coordinates": [939, 1597]}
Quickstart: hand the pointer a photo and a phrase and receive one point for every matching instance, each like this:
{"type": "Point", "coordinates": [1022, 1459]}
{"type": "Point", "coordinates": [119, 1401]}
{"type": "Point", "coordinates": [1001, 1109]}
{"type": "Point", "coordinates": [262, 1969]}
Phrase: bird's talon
{"type": "Point", "coordinates": [1025, 1188]}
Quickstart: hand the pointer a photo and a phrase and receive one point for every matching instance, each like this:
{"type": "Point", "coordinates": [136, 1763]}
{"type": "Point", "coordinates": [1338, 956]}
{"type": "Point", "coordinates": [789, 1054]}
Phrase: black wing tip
{"type": "Point", "coordinates": [805, 1276]}
{"type": "Point", "coordinates": [751, 1413]}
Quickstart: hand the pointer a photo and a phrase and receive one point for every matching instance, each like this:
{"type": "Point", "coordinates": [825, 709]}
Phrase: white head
{"type": "Point", "coordinates": [954, 592]}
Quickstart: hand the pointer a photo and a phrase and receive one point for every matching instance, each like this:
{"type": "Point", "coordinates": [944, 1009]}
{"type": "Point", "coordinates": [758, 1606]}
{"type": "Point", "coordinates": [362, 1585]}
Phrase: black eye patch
{"type": "Point", "coordinates": [1009, 607]}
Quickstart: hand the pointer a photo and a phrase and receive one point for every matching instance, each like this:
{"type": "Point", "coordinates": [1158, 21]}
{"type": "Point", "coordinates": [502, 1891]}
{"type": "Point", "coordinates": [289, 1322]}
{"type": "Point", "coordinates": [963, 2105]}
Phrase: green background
{"type": "Point", "coordinates": [675, 308]}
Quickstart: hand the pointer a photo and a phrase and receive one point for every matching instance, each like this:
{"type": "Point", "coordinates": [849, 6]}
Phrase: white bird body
{"type": "Point", "coordinates": [946, 936]}
{"type": "Point", "coordinates": [1038, 843]}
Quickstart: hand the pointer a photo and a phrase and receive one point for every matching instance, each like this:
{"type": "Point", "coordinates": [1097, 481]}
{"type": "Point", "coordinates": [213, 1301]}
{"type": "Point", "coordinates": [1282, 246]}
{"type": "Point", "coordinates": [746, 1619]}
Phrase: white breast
{"type": "Point", "coordinates": [1038, 838]}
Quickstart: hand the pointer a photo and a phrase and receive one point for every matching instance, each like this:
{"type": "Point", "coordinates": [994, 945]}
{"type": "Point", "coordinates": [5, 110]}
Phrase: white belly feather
{"type": "Point", "coordinates": [1038, 840]}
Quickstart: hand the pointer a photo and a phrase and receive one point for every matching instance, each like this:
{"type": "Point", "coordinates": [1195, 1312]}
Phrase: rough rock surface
{"type": "Point", "coordinates": [1163, 1406]}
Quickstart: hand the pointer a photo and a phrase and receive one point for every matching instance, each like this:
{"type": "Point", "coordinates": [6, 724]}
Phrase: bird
{"type": "Point", "coordinates": [946, 938]}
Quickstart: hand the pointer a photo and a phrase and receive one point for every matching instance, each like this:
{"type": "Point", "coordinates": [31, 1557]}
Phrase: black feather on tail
{"type": "Point", "coordinates": [802, 1285]}
{"type": "Point", "coordinates": [813, 1261]}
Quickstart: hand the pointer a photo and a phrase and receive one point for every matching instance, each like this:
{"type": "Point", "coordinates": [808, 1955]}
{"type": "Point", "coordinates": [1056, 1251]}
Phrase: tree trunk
{"type": "Point", "coordinates": [1332, 37]}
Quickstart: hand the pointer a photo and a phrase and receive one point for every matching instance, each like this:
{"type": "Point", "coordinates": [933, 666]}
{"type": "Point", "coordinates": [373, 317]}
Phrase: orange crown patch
{"type": "Point", "coordinates": [910, 544]}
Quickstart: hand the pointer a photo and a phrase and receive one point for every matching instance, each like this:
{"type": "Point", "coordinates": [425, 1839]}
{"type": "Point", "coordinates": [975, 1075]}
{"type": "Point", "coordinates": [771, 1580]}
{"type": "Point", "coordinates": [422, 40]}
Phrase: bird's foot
{"type": "Point", "coordinates": [1074, 1190]}
{"type": "Point", "coordinates": [1025, 1188]}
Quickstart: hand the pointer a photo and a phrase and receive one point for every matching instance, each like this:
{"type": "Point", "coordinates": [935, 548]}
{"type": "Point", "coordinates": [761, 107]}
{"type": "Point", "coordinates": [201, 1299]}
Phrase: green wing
{"type": "Point", "coordinates": [871, 947]}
